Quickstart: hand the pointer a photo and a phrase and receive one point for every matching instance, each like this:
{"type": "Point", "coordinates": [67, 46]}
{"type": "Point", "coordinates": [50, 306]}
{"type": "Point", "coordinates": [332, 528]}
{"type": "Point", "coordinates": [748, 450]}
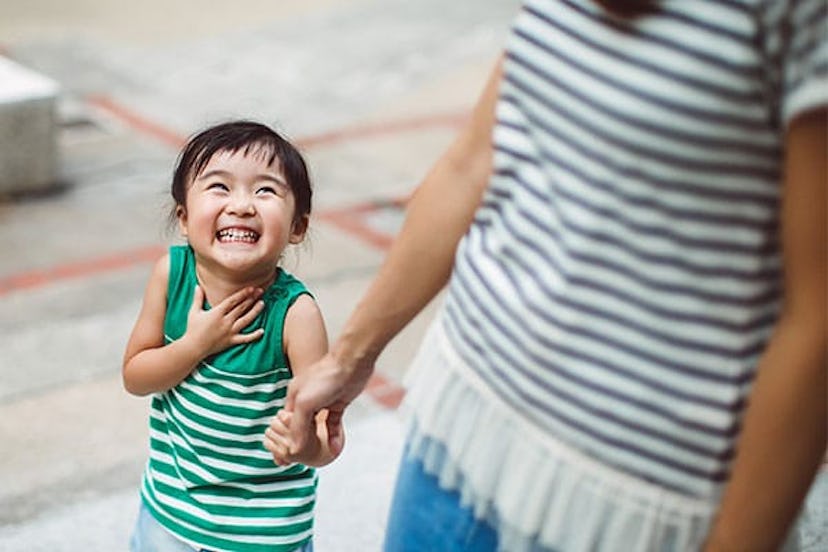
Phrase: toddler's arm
{"type": "Point", "coordinates": [305, 341]}
{"type": "Point", "coordinates": [151, 366]}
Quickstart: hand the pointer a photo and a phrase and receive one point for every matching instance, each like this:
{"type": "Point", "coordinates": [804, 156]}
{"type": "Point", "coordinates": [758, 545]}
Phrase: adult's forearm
{"type": "Point", "coordinates": [417, 267]}
{"type": "Point", "coordinates": [785, 423]}
{"type": "Point", "coordinates": [781, 445]}
{"type": "Point", "coordinates": [421, 258]}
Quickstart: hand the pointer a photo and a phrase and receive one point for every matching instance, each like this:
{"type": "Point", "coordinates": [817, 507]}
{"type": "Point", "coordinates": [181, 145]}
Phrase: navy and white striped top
{"type": "Point", "coordinates": [623, 274]}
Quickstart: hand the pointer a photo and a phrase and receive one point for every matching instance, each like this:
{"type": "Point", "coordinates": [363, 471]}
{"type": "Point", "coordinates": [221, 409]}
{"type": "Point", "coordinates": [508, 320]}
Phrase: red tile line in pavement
{"type": "Point", "coordinates": [78, 269]}
{"type": "Point", "coordinates": [176, 140]}
{"type": "Point", "coordinates": [385, 392]}
{"type": "Point", "coordinates": [348, 219]}
{"type": "Point", "coordinates": [136, 121]}
{"type": "Point", "coordinates": [351, 219]}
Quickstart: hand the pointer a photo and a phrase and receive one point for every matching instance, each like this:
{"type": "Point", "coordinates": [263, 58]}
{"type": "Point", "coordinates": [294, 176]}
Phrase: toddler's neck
{"type": "Point", "coordinates": [217, 287]}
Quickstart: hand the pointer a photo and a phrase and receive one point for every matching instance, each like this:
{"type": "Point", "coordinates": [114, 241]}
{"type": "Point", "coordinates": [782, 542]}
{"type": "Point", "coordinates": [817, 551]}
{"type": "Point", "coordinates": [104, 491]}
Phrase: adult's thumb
{"type": "Point", "coordinates": [290, 399]}
{"type": "Point", "coordinates": [299, 427]}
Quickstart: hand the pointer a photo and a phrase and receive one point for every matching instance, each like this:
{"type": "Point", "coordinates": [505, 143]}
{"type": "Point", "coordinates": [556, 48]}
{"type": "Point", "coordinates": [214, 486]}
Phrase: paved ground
{"type": "Point", "coordinates": [371, 89]}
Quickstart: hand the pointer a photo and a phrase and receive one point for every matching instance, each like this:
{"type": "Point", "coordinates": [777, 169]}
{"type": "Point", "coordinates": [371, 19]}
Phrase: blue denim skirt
{"type": "Point", "coordinates": [425, 517]}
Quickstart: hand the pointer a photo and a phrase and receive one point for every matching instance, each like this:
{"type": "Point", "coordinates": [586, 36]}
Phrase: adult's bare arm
{"type": "Point", "coordinates": [784, 432]}
{"type": "Point", "coordinates": [416, 268]}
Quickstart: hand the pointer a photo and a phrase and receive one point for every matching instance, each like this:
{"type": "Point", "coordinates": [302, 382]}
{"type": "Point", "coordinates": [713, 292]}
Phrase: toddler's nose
{"type": "Point", "coordinates": [241, 204]}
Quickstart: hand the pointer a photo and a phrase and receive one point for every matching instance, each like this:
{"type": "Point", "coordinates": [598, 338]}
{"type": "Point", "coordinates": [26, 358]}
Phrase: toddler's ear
{"type": "Point", "coordinates": [181, 215]}
{"type": "Point", "coordinates": [297, 233]}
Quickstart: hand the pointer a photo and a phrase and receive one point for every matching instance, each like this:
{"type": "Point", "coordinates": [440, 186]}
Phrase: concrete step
{"type": "Point", "coordinates": [28, 129]}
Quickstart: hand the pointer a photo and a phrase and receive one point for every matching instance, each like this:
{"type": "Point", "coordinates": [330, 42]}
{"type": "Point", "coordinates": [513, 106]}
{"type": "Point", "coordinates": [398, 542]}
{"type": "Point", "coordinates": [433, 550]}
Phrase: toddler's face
{"type": "Point", "coordinates": [239, 214]}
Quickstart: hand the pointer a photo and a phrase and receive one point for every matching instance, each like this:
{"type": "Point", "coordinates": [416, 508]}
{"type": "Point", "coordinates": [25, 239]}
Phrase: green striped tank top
{"type": "Point", "coordinates": [209, 480]}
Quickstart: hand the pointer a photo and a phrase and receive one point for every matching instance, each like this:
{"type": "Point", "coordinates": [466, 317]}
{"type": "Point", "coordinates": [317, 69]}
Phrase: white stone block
{"type": "Point", "coordinates": [28, 129]}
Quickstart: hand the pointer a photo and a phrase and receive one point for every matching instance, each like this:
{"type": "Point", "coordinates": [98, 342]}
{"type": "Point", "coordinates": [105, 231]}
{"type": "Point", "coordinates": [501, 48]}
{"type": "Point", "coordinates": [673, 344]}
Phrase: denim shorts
{"type": "Point", "coordinates": [151, 536]}
{"type": "Point", "coordinates": [425, 517]}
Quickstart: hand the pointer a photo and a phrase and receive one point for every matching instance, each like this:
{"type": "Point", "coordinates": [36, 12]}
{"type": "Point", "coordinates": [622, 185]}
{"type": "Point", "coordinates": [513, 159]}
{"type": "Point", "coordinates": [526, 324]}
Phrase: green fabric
{"type": "Point", "coordinates": [209, 480]}
{"type": "Point", "coordinates": [243, 359]}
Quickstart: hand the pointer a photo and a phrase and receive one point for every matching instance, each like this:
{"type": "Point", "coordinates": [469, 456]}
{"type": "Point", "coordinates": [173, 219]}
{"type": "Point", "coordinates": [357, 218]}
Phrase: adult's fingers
{"type": "Point", "coordinates": [334, 419]}
{"type": "Point", "coordinates": [293, 387]}
{"type": "Point", "coordinates": [300, 422]}
{"type": "Point", "coordinates": [336, 435]}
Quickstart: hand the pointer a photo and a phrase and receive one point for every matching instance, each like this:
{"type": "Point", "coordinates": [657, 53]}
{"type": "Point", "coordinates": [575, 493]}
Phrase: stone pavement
{"type": "Point", "coordinates": [372, 90]}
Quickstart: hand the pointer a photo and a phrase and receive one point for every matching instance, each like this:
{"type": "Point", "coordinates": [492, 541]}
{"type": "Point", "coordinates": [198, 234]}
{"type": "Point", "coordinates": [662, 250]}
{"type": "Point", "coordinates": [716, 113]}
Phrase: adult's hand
{"type": "Point", "coordinates": [328, 384]}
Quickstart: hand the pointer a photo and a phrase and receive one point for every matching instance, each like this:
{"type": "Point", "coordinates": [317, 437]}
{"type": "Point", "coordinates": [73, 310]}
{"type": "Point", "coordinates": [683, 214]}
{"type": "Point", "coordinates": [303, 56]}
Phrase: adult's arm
{"type": "Point", "coordinates": [784, 433]}
{"type": "Point", "coordinates": [415, 270]}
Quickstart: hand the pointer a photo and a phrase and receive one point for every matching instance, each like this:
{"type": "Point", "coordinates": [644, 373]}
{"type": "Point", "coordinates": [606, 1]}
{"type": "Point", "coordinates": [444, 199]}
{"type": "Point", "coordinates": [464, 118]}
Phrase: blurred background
{"type": "Point", "coordinates": [96, 98]}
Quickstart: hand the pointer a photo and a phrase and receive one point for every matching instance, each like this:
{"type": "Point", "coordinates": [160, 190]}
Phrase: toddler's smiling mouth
{"type": "Point", "coordinates": [245, 235]}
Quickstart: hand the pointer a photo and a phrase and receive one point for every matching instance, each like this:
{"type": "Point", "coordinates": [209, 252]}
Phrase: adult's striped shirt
{"type": "Point", "coordinates": [209, 480]}
{"type": "Point", "coordinates": [623, 274]}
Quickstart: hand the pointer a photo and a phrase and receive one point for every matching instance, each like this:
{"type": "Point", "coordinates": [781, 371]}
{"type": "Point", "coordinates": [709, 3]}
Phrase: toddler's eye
{"type": "Point", "coordinates": [267, 190]}
{"type": "Point", "coordinates": [217, 186]}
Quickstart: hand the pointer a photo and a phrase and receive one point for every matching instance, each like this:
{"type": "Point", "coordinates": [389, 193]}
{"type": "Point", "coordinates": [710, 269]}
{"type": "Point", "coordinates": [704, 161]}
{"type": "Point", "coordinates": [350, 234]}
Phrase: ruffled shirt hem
{"type": "Point", "coordinates": [534, 488]}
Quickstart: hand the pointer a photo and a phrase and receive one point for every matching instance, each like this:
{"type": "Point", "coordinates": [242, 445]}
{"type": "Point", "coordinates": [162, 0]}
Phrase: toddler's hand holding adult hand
{"type": "Point", "coordinates": [323, 444]}
{"type": "Point", "coordinates": [277, 439]}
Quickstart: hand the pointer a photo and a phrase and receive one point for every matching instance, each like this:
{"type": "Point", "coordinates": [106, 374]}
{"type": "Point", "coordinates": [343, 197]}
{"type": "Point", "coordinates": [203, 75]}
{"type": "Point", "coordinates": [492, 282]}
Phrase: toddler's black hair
{"type": "Point", "coordinates": [249, 137]}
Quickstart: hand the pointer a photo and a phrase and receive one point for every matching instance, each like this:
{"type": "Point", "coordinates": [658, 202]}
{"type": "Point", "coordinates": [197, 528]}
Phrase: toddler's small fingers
{"type": "Point", "coordinates": [279, 436]}
{"type": "Point", "coordinates": [248, 314]}
{"type": "Point", "coordinates": [233, 301]}
{"type": "Point", "coordinates": [247, 338]}
{"type": "Point", "coordinates": [277, 454]}
{"type": "Point", "coordinates": [279, 427]}
{"type": "Point", "coordinates": [278, 447]}
{"type": "Point", "coordinates": [285, 416]}
{"type": "Point", "coordinates": [245, 312]}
